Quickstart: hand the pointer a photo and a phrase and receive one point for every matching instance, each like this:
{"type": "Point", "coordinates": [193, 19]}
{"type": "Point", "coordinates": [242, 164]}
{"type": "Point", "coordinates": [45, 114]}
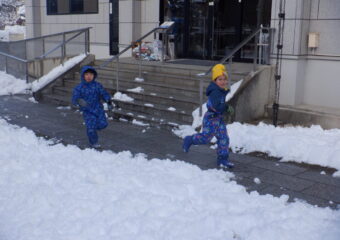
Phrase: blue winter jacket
{"type": "Point", "coordinates": [216, 98]}
{"type": "Point", "coordinates": [92, 93]}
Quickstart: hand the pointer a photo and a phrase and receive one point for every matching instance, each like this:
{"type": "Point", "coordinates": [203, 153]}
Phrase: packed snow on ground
{"type": "Point", "coordinates": [55, 72]}
{"type": "Point", "coordinates": [62, 192]}
{"type": "Point", "coordinates": [122, 97]}
{"type": "Point", "coordinates": [11, 85]}
{"type": "Point", "coordinates": [312, 145]}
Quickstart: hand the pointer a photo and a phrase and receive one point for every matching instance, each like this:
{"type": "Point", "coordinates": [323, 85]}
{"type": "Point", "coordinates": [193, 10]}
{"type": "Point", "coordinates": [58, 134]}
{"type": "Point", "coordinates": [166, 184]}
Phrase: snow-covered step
{"type": "Point", "coordinates": [143, 119]}
{"type": "Point", "coordinates": [138, 107]}
{"type": "Point", "coordinates": [140, 94]}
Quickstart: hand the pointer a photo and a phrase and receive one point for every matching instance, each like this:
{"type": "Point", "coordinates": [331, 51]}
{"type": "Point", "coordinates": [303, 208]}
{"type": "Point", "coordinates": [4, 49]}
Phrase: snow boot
{"type": "Point", "coordinates": [223, 162]}
{"type": "Point", "coordinates": [187, 142]}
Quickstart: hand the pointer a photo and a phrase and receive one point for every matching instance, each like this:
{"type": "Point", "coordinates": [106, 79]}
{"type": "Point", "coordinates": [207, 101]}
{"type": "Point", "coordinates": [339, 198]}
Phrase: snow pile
{"type": "Point", "coordinates": [55, 72]}
{"type": "Point", "coordinates": [12, 30]}
{"type": "Point", "coordinates": [311, 145]}
{"type": "Point", "coordinates": [122, 97]}
{"type": "Point", "coordinates": [140, 123]}
{"type": "Point", "coordinates": [56, 192]}
{"type": "Point", "coordinates": [12, 13]}
{"type": "Point", "coordinates": [11, 85]}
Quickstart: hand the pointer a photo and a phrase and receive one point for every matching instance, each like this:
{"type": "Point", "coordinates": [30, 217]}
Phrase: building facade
{"type": "Point", "coordinates": [208, 29]}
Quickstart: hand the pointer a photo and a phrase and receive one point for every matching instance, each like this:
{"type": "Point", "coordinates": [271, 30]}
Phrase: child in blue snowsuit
{"type": "Point", "coordinates": [87, 97]}
{"type": "Point", "coordinates": [213, 124]}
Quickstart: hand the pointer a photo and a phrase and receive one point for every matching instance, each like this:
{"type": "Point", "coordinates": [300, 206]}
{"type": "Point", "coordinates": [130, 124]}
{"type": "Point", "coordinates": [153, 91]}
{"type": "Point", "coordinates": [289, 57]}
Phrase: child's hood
{"type": "Point", "coordinates": [86, 68]}
{"type": "Point", "coordinates": [213, 87]}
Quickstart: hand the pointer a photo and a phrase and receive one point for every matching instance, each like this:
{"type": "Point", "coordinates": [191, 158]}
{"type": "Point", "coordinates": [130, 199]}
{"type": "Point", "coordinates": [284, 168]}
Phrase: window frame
{"type": "Point", "coordinates": [70, 13]}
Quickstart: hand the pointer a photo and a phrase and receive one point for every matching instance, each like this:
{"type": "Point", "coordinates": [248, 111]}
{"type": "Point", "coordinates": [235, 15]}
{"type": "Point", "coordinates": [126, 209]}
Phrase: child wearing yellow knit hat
{"type": "Point", "coordinates": [213, 124]}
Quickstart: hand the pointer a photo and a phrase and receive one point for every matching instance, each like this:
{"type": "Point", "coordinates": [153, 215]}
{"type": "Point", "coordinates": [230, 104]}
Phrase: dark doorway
{"type": "Point", "coordinates": [114, 27]}
{"type": "Point", "coordinates": [209, 29]}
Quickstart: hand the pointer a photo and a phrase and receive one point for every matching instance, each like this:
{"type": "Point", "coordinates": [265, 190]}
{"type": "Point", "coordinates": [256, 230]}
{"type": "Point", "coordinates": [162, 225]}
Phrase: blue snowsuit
{"type": "Point", "coordinates": [93, 113]}
{"type": "Point", "coordinates": [213, 124]}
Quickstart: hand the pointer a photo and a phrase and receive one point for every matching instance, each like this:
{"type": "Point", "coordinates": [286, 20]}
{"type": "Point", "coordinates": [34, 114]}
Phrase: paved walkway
{"type": "Point", "coordinates": [296, 180]}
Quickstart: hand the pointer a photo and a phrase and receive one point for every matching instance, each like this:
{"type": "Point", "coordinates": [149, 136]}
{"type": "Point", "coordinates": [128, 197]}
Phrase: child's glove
{"type": "Point", "coordinates": [229, 110]}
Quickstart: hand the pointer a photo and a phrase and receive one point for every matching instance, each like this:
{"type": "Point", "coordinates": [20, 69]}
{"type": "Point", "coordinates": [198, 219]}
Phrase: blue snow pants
{"type": "Point", "coordinates": [94, 123]}
{"type": "Point", "coordinates": [213, 125]}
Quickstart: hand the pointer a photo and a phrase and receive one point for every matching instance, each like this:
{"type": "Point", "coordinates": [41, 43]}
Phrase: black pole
{"type": "Point", "coordinates": [278, 64]}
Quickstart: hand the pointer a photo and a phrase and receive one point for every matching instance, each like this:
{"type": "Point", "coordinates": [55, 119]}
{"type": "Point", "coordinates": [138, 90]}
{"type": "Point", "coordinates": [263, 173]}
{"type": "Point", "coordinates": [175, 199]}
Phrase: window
{"type": "Point", "coordinates": [56, 7]}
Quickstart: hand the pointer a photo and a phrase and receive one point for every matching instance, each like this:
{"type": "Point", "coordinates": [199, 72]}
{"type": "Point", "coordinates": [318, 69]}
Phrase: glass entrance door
{"type": "Point", "coordinates": [200, 25]}
{"type": "Point", "coordinates": [210, 29]}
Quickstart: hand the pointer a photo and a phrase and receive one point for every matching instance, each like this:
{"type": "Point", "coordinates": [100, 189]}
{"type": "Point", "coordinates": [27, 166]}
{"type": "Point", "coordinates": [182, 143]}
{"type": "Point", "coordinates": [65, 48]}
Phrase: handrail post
{"type": "Point", "coordinates": [163, 42]}
{"type": "Point", "coordinates": [43, 46]}
{"type": "Point", "coordinates": [230, 73]}
{"type": "Point", "coordinates": [27, 80]}
{"type": "Point", "coordinates": [140, 60]}
{"type": "Point", "coordinates": [87, 41]}
{"type": "Point", "coordinates": [117, 74]}
{"type": "Point", "coordinates": [201, 96]}
{"type": "Point", "coordinates": [6, 64]}
{"type": "Point", "coordinates": [261, 47]}
{"type": "Point", "coordinates": [63, 50]}
{"type": "Point", "coordinates": [255, 52]}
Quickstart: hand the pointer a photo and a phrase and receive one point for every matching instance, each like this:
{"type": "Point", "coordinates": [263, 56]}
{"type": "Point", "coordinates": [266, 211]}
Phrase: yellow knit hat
{"type": "Point", "coordinates": [217, 71]}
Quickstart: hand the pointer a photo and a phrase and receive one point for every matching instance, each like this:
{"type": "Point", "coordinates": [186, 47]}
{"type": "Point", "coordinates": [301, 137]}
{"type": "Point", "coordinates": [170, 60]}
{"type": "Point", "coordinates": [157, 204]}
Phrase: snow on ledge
{"type": "Point", "coordinates": [55, 72]}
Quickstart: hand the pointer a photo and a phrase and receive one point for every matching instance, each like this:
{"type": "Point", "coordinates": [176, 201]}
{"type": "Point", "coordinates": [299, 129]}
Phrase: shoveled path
{"type": "Point", "coordinates": [299, 181]}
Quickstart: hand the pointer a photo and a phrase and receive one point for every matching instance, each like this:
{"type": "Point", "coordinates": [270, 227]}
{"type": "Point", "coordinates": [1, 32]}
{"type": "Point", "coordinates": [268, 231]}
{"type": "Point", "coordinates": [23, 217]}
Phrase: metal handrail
{"type": "Point", "coordinates": [13, 57]}
{"type": "Point", "coordinates": [53, 34]}
{"type": "Point", "coordinates": [116, 57]}
{"type": "Point", "coordinates": [127, 48]}
{"type": "Point", "coordinates": [236, 49]}
{"type": "Point", "coordinates": [59, 46]}
{"type": "Point", "coordinates": [230, 56]}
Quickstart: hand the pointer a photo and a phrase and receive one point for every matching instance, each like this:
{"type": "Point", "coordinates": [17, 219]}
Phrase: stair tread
{"type": "Point", "coordinates": [145, 117]}
{"type": "Point", "coordinates": [154, 106]}
{"type": "Point", "coordinates": [144, 92]}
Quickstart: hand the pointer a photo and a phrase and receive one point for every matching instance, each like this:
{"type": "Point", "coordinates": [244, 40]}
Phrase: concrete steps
{"type": "Point", "coordinates": [170, 92]}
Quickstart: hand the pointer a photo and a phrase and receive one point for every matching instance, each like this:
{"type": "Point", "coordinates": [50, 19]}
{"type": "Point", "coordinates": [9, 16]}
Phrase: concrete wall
{"type": "Point", "coordinates": [254, 94]}
{"type": "Point", "coordinates": [136, 17]}
{"type": "Point", "coordinates": [310, 76]}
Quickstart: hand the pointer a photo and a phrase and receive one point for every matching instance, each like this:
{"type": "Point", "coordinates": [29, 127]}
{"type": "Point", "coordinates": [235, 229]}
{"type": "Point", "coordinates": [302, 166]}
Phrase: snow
{"type": "Point", "coordinates": [55, 72]}
{"type": "Point", "coordinates": [122, 97]}
{"type": "Point", "coordinates": [138, 79]}
{"type": "Point", "coordinates": [52, 191]}
{"type": "Point", "coordinates": [140, 123]}
{"type": "Point", "coordinates": [234, 87]}
{"type": "Point", "coordinates": [312, 145]}
{"type": "Point", "coordinates": [16, 29]}
{"type": "Point", "coordinates": [257, 180]}
{"type": "Point", "coordinates": [136, 90]}
{"type": "Point", "coordinates": [21, 10]}
{"type": "Point", "coordinates": [64, 108]}
{"type": "Point", "coordinates": [149, 105]}
{"type": "Point", "coordinates": [32, 99]}
{"type": "Point", "coordinates": [11, 85]}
